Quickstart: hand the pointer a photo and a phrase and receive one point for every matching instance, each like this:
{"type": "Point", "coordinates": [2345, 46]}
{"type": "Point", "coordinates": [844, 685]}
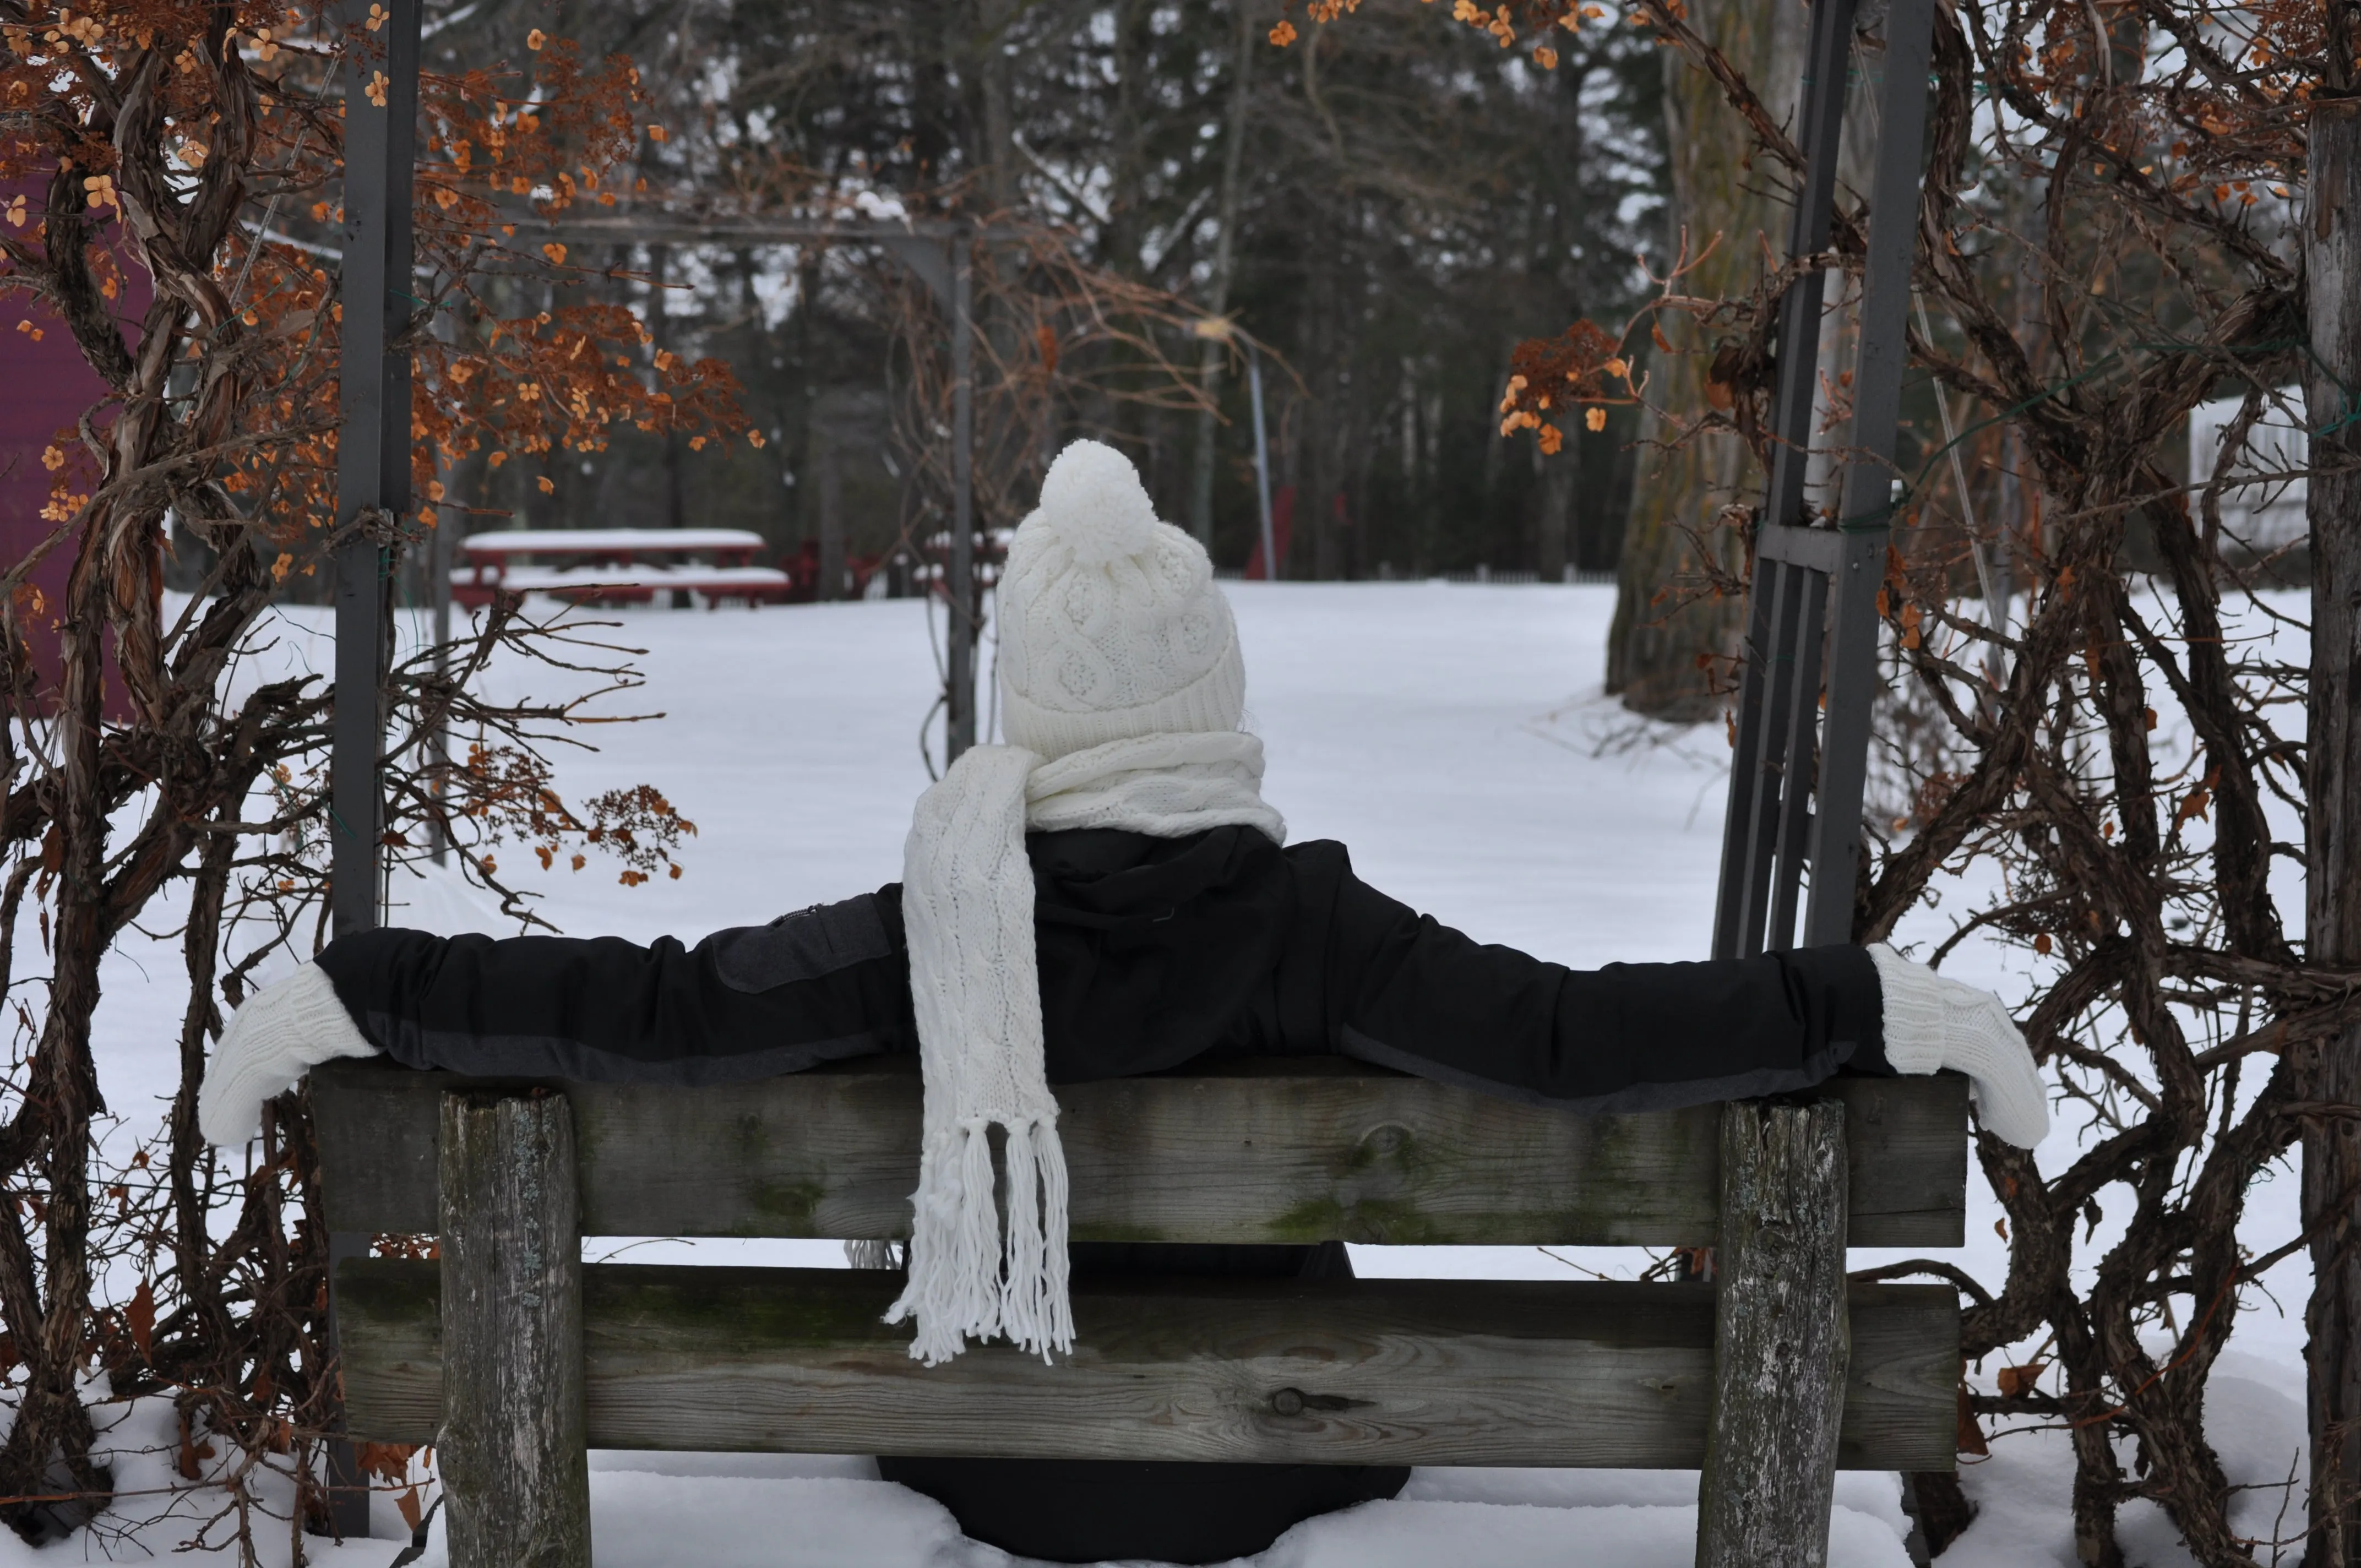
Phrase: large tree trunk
{"type": "Point", "coordinates": [1653, 647]}
{"type": "Point", "coordinates": [2331, 1144]}
{"type": "Point", "coordinates": [1554, 524]}
{"type": "Point", "coordinates": [1217, 290]}
{"type": "Point", "coordinates": [825, 474]}
{"type": "Point", "coordinates": [996, 72]}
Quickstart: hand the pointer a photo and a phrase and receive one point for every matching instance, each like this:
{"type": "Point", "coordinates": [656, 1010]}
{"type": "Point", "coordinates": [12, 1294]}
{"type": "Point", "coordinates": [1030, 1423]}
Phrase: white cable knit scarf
{"type": "Point", "coordinates": [967, 902]}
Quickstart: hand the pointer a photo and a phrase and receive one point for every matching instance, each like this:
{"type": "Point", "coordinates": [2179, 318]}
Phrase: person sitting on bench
{"type": "Point", "coordinates": [1109, 894]}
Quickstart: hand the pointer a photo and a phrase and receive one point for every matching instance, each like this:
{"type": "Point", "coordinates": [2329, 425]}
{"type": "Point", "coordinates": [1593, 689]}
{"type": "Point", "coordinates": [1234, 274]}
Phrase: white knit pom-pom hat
{"type": "Point", "coordinates": [1111, 625]}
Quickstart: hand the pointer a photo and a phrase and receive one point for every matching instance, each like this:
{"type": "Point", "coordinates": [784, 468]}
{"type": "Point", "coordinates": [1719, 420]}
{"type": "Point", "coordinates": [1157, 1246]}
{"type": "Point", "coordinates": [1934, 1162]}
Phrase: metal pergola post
{"type": "Point", "coordinates": [942, 256]}
{"type": "Point", "coordinates": [1796, 780]}
{"type": "Point", "coordinates": [381, 92]}
{"type": "Point", "coordinates": [373, 444]}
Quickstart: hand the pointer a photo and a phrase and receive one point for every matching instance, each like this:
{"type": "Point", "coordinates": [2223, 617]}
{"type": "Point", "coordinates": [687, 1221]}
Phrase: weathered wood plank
{"type": "Point", "coordinates": [1293, 1151]}
{"type": "Point", "coordinates": [1781, 1348]}
{"type": "Point", "coordinates": [511, 1444]}
{"type": "Point", "coordinates": [1394, 1371]}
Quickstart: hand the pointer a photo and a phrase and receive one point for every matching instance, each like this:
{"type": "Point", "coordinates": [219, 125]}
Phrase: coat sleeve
{"type": "Point", "coordinates": [1401, 990]}
{"type": "Point", "coordinates": [755, 1002]}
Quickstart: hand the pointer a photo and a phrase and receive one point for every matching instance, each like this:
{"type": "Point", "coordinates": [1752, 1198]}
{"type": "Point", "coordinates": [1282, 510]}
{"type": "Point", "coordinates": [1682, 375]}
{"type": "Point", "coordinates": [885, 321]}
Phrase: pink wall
{"type": "Point", "coordinates": [45, 387]}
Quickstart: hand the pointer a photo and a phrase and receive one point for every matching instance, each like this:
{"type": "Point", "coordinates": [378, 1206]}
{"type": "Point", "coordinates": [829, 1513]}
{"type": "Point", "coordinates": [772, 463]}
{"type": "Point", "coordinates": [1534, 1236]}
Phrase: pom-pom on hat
{"type": "Point", "coordinates": [1111, 625]}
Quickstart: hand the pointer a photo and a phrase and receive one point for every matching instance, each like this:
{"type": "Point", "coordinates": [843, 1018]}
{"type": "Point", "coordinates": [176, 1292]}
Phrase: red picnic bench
{"type": "Point", "coordinates": [617, 565]}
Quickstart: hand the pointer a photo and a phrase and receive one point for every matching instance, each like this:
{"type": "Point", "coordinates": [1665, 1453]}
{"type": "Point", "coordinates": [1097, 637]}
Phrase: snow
{"type": "Point", "coordinates": [1454, 737]}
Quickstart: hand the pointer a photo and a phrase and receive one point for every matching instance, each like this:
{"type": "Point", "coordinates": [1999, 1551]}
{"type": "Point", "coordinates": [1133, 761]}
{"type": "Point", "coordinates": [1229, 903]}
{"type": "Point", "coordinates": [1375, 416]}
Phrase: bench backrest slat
{"type": "Point", "coordinates": [1382, 1371]}
{"type": "Point", "coordinates": [1284, 1151]}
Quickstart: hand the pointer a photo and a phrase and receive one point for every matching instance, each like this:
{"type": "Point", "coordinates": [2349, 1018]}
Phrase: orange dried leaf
{"type": "Point", "coordinates": [1970, 1439]}
{"type": "Point", "coordinates": [140, 1317]}
{"type": "Point", "coordinates": [2017, 1380]}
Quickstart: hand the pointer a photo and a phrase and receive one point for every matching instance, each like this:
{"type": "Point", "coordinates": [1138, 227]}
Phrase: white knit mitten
{"type": "Point", "coordinates": [1932, 1023]}
{"type": "Point", "coordinates": [282, 1032]}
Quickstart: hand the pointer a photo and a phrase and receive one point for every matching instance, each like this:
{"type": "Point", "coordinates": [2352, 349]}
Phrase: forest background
{"type": "Point", "coordinates": [1406, 202]}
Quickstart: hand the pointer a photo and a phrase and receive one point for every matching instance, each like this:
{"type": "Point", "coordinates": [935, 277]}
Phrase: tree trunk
{"type": "Point", "coordinates": [1652, 647]}
{"type": "Point", "coordinates": [996, 71]}
{"type": "Point", "coordinates": [1217, 290]}
{"type": "Point", "coordinates": [825, 474]}
{"type": "Point", "coordinates": [1556, 521]}
{"type": "Point", "coordinates": [1123, 236]}
{"type": "Point", "coordinates": [2331, 1145]}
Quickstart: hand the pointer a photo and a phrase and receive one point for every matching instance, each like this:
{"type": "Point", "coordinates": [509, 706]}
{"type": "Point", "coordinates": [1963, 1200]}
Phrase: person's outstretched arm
{"type": "Point", "coordinates": [822, 985]}
{"type": "Point", "coordinates": [1406, 991]}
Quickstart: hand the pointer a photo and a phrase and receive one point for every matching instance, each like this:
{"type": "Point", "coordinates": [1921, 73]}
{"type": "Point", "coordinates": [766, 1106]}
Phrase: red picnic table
{"type": "Point", "coordinates": [617, 564]}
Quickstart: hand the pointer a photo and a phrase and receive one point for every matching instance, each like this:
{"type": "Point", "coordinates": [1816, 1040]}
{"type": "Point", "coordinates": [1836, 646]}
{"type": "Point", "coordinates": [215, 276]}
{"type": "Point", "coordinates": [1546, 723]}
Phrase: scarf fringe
{"type": "Point", "coordinates": [1034, 1311]}
{"type": "Point", "coordinates": [962, 1284]}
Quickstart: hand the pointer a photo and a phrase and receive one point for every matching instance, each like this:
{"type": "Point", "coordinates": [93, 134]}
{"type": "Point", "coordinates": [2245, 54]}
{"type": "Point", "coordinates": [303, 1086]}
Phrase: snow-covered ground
{"type": "Point", "coordinates": [1453, 736]}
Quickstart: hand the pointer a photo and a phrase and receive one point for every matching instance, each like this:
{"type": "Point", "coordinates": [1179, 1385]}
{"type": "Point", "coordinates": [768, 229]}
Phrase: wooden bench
{"type": "Point", "coordinates": [1769, 1379]}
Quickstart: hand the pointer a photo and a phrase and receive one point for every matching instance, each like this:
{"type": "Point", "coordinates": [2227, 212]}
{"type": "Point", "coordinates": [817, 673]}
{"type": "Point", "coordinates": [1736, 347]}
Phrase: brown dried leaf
{"type": "Point", "coordinates": [1971, 1438]}
{"type": "Point", "coordinates": [140, 1317]}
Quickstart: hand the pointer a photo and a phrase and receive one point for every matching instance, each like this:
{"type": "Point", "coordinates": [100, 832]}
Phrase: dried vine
{"type": "Point", "coordinates": [2159, 146]}
{"type": "Point", "coordinates": [180, 154]}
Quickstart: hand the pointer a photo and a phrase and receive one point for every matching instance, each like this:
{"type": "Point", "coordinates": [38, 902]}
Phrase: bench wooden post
{"type": "Point", "coordinates": [514, 1443]}
{"type": "Point", "coordinates": [1782, 1339]}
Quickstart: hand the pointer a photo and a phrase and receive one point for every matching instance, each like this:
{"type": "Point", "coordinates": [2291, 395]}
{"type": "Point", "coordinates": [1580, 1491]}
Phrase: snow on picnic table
{"type": "Point", "coordinates": [1454, 737]}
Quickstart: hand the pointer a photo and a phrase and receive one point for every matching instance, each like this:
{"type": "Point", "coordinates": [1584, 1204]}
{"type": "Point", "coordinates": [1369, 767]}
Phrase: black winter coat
{"type": "Point", "coordinates": [1153, 953]}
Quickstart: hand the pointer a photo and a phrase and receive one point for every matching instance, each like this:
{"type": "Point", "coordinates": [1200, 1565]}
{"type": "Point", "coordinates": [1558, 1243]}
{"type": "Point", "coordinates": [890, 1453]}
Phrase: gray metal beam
{"type": "Point", "coordinates": [372, 498]}
{"type": "Point", "coordinates": [928, 255]}
{"type": "Point", "coordinates": [941, 256]}
{"type": "Point", "coordinates": [663, 226]}
{"type": "Point", "coordinates": [1865, 512]}
{"type": "Point", "coordinates": [1797, 779]}
{"type": "Point", "coordinates": [1818, 548]}
{"type": "Point", "coordinates": [373, 445]}
{"type": "Point", "coordinates": [1762, 733]}
{"type": "Point", "coordinates": [1827, 54]}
